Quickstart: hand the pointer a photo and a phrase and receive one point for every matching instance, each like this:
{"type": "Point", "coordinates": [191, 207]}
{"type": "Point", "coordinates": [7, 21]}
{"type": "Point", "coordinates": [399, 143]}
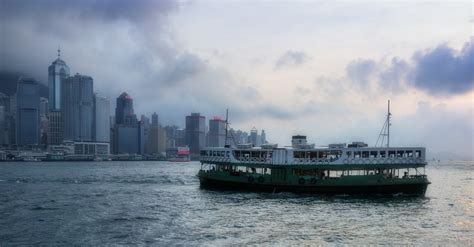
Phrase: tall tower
{"type": "Point", "coordinates": [195, 132]}
{"type": "Point", "coordinates": [124, 113]}
{"type": "Point", "coordinates": [77, 106]}
{"type": "Point", "coordinates": [28, 112]}
{"type": "Point", "coordinates": [58, 71]}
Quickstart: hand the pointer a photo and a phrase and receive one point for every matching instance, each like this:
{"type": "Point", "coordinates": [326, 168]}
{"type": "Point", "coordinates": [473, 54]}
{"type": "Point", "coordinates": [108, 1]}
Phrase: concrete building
{"type": "Point", "coordinates": [58, 71]}
{"type": "Point", "coordinates": [101, 132]}
{"type": "Point", "coordinates": [195, 133]}
{"type": "Point", "coordinates": [77, 107]}
{"type": "Point", "coordinates": [27, 113]}
{"type": "Point", "coordinates": [216, 134]}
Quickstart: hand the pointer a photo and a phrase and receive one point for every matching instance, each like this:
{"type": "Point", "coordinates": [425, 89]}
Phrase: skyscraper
{"type": "Point", "coordinates": [128, 133]}
{"type": "Point", "coordinates": [101, 119]}
{"type": "Point", "coordinates": [253, 138]}
{"type": "Point", "coordinates": [58, 71]}
{"type": "Point", "coordinates": [27, 113]}
{"type": "Point", "coordinates": [263, 137]}
{"type": "Point", "coordinates": [195, 132]}
{"type": "Point", "coordinates": [154, 119]}
{"type": "Point", "coordinates": [216, 132]}
{"type": "Point", "coordinates": [77, 106]}
{"type": "Point", "coordinates": [124, 113]}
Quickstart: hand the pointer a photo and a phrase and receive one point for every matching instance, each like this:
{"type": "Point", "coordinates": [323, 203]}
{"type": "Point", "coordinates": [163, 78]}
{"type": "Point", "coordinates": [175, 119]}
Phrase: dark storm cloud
{"type": "Point", "coordinates": [443, 70]}
{"type": "Point", "coordinates": [291, 59]}
{"type": "Point", "coordinates": [137, 10]}
{"type": "Point", "coordinates": [438, 71]}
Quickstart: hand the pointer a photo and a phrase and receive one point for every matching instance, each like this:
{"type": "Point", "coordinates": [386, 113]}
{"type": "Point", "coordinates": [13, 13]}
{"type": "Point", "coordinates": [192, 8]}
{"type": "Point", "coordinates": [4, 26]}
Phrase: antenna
{"type": "Point", "coordinates": [59, 51]}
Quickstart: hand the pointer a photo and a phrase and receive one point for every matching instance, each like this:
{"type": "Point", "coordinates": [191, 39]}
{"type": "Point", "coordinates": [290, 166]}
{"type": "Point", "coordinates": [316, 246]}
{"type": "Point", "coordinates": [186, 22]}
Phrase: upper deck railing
{"type": "Point", "coordinates": [317, 156]}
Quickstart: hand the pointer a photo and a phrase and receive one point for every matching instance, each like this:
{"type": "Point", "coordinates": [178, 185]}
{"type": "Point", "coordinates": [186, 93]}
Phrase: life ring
{"type": "Point", "coordinates": [251, 179]}
{"type": "Point", "coordinates": [313, 180]}
{"type": "Point", "coordinates": [301, 181]}
{"type": "Point", "coordinates": [260, 179]}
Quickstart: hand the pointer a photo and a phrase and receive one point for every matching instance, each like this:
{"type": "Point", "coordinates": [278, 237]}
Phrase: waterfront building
{"type": "Point", "coordinates": [58, 71]}
{"type": "Point", "coordinates": [128, 133]}
{"type": "Point", "coordinates": [101, 130]}
{"type": "Point", "coordinates": [175, 136]}
{"type": "Point", "coordinates": [195, 132]}
{"type": "Point", "coordinates": [55, 134]}
{"type": "Point", "coordinates": [27, 112]}
{"type": "Point", "coordinates": [263, 137]}
{"type": "Point", "coordinates": [77, 106]}
{"type": "Point", "coordinates": [156, 141]}
{"type": "Point", "coordinates": [216, 134]}
{"type": "Point", "coordinates": [124, 113]}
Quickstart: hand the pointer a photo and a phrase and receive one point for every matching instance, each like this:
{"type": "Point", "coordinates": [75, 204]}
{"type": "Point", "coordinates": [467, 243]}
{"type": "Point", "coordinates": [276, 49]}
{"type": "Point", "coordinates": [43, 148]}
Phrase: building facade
{"type": "Point", "coordinates": [128, 133]}
{"type": "Point", "coordinates": [101, 130]}
{"type": "Point", "coordinates": [27, 113]}
{"type": "Point", "coordinates": [195, 132]}
{"type": "Point", "coordinates": [58, 71]}
{"type": "Point", "coordinates": [216, 134]}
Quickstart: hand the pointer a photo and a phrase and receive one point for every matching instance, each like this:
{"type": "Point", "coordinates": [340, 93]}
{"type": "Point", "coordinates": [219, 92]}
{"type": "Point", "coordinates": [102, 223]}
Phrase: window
{"type": "Point", "coordinates": [409, 153]}
{"type": "Point", "coordinates": [382, 154]}
{"type": "Point", "coordinates": [349, 154]}
{"type": "Point", "coordinates": [399, 154]}
{"type": "Point", "coordinates": [418, 153]}
{"type": "Point", "coordinates": [357, 154]}
{"type": "Point", "coordinates": [365, 154]}
{"type": "Point", "coordinates": [373, 154]}
{"type": "Point", "coordinates": [391, 154]}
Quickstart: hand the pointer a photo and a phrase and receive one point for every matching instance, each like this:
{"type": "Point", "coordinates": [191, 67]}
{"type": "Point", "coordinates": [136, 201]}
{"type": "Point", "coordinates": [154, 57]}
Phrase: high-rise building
{"type": "Point", "coordinates": [195, 132]}
{"type": "Point", "coordinates": [27, 113]}
{"type": "Point", "coordinates": [44, 107]}
{"type": "Point", "coordinates": [77, 107]}
{"type": "Point", "coordinates": [58, 71]}
{"type": "Point", "coordinates": [216, 134]}
{"type": "Point", "coordinates": [154, 119]}
{"type": "Point", "coordinates": [4, 117]}
{"type": "Point", "coordinates": [263, 137]}
{"type": "Point", "coordinates": [101, 119]}
{"type": "Point", "coordinates": [128, 134]}
{"type": "Point", "coordinates": [55, 134]}
{"type": "Point", "coordinates": [124, 113]}
{"type": "Point", "coordinates": [156, 141]}
{"type": "Point", "coordinates": [253, 138]}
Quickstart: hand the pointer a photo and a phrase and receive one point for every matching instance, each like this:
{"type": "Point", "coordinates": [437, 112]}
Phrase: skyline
{"type": "Point", "coordinates": [175, 58]}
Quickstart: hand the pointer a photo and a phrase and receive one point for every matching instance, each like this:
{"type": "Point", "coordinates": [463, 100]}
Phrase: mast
{"type": "Point", "coordinates": [388, 124]}
{"type": "Point", "coordinates": [226, 126]}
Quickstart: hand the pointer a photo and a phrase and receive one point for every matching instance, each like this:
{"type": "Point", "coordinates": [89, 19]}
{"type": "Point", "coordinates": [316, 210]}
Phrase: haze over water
{"type": "Point", "coordinates": [160, 203]}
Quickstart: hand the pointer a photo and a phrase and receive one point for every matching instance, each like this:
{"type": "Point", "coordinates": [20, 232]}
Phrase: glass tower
{"type": "Point", "coordinates": [58, 71]}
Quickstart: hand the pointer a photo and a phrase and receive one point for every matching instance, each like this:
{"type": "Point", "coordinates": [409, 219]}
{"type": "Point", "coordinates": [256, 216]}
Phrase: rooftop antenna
{"type": "Point", "coordinates": [385, 131]}
{"type": "Point", "coordinates": [59, 51]}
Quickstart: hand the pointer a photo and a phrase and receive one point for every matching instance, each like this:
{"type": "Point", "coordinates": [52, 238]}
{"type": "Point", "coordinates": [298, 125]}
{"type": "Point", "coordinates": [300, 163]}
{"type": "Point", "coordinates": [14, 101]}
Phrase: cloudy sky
{"type": "Point", "coordinates": [324, 69]}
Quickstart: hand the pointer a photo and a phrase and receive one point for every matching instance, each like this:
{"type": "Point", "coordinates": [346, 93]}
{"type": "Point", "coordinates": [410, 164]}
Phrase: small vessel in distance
{"type": "Point", "coordinates": [335, 169]}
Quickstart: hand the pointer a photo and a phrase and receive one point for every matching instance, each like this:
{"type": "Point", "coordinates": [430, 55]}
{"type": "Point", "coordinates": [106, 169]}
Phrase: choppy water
{"type": "Point", "coordinates": [160, 203]}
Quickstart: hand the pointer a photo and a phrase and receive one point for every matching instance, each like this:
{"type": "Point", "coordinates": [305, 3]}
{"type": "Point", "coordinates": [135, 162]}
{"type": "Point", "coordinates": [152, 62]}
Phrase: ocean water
{"type": "Point", "coordinates": [160, 203]}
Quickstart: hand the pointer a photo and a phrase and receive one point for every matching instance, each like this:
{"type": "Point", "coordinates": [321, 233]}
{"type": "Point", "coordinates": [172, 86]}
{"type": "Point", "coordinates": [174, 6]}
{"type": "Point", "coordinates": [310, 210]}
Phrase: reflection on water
{"type": "Point", "coordinates": [161, 203]}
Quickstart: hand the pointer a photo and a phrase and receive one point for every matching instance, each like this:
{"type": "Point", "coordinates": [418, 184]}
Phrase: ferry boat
{"type": "Point", "coordinates": [335, 169]}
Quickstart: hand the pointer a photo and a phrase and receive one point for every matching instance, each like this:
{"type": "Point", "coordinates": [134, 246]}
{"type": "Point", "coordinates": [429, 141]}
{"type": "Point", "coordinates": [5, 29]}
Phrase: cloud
{"type": "Point", "coordinates": [291, 59]}
{"type": "Point", "coordinates": [360, 71]}
{"type": "Point", "coordinates": [443, 70]}
{"type": "Point", "coordinates": [438, 71]}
